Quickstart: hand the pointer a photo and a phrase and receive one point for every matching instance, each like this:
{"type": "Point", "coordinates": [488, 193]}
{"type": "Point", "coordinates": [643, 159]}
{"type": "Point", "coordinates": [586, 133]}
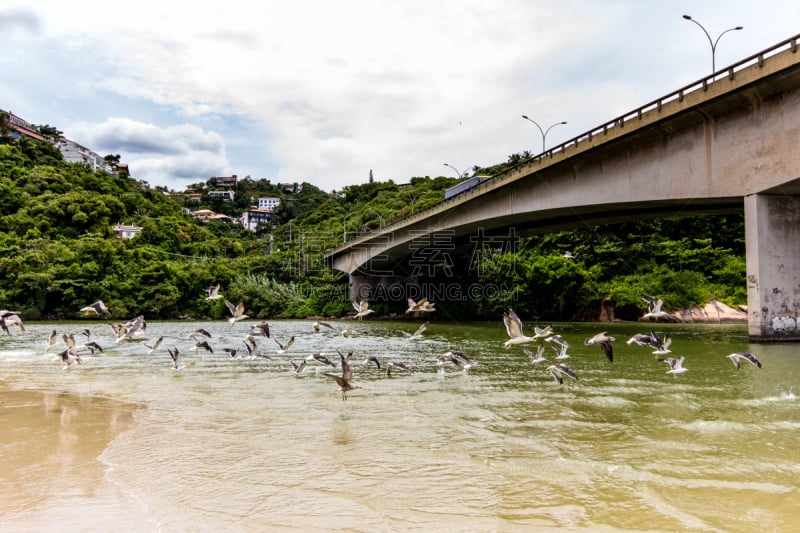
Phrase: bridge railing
{"type": "Point", "coordinates": [677, 95]}
{"type": "Point", "coordinates": [604, 129]}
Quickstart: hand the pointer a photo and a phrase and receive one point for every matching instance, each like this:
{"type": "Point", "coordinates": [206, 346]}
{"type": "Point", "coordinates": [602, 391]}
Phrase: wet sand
{"type": "Point", "coordinates": [53, 477]}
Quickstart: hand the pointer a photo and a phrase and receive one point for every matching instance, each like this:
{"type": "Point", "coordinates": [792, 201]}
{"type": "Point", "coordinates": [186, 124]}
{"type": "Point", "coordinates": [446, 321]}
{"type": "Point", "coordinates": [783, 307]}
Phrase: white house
{"type": "Point", "coordinates": [269, 203]}
{"type": "Point", "coordinates": [255, 217]}
{"type": "Point", "coordinates": [76, 153]}
{"type": "Point", "coordinates": [122, 231]}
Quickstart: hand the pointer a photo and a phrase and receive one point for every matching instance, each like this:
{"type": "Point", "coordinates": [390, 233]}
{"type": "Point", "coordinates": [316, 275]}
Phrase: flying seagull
{"type": "Point", "coordinates": [198, 334]}
{"type": "Point", "coordinates": [176, 358]}
{"type": "Point", "coordinates": [345, 381]}
{"type": "Point", "coordinates": [321, 359]}
{"type": "Point", "coordinates": [204, 345]}
{"type": "Point", "coordinates": [418, 333]}
{"type": "Point", "coordinates": [231, 351]}
{"type": "Point", "coordinates": [422, 306]}
{"type": "Point", "coordinates": [10, 318]}
{"type": "Point", "coordinates": [261, 329]}
{"type": "Point", "coordinates": [675, 365]}
{"type": "Point", "coordinates": [98, 308]}
{"type": "Point", "coordinates": [362, 309]}
{"type": "Point", "coordinates": [661, 344]}
{"type": "Point", "coordinates": [536, 357]}
{"type": "Point", "coordinates": [283, 348]}
{"type": "Point", "coordinates": [70, 356]}
{"type": "Point", "coordinates": [605, 343]}
{"type": "Point", "coordinates": [457, 358]}
{"type": "Point", "coordinates": [372, 359]}
{"type": "Point", "coordinates": [558, 371]}
{"type": "Point", "coordinates": [514, 329]}
{"type": "Point", "coordinates": [213, 293]}
{"type": "Point", "coordinates": [298, 367]}
{"type": "Point", "coordinates": [317, 325]}
{"type": "Point", "coordinates": [237, 312]}
{"type": "Point", "coordinates": [653, 307]}
{"type": "Point", "coordinates": [155, 345]}
{"type": "Point", "coordinates": [560, 345]}
{"type": "Point", "coordinates": [91, 346]}
{"type": "Point", "coordinates": [52, 340]}
{"type": "Point", "coordinates": [131, 329]}
{"type": "Point", "coordinates": [395, 364]}
{"type": "Point", "coordinates": [737, 357]}
{"type": "Point", "coordinates": [542, 333]}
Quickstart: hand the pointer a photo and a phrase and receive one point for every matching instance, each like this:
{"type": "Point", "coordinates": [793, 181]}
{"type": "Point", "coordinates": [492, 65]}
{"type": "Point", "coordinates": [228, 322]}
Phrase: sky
{"type": "Point", "coordinates": [326, 92]}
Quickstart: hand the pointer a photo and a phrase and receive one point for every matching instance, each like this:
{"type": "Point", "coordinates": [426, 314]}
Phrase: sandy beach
{"type": "Point", "coordinates": [53, 477]}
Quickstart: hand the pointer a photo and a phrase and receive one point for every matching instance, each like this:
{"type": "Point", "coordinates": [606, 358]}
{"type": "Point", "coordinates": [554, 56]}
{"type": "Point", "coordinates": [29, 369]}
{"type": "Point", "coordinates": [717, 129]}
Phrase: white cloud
{"type": "Point", "coordinates": [322, 91]}
{"type": "Point", "coordinates": [177, 154]}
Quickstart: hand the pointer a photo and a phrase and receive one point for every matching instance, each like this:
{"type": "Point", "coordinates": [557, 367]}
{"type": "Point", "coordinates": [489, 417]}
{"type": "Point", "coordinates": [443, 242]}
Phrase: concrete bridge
{"type": "Point", "coordinates": [727, 142]}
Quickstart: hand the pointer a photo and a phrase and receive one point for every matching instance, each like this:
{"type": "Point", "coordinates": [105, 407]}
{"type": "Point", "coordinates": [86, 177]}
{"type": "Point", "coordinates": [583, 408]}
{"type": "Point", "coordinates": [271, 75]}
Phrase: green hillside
{"type": "Point", "coordinates": [58, 251]}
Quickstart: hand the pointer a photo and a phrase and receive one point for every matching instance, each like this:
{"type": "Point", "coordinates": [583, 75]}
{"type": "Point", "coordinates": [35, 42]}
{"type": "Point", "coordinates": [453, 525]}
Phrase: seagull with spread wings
{"type": "Point", "coordinates": [362, 309]}
{"type": "Point", "coordinates": [98, 308]}
{"type": "Point", "coordinates": [345, 381]}
{"type": "Point", "coordinates": [737, 357]}
{"type": "Point", "coordinates": [514, 329]}
{"type": "Point", "coordinates": [605, 342]}
{"type": "Point", "coordinates": [558, 371]}
{"type": "Point", "coordinates": [653, 307]}
{"type": "Point", "coordinates": [418, 333]}
{"type": "Point", "coordinates": [237, 312]}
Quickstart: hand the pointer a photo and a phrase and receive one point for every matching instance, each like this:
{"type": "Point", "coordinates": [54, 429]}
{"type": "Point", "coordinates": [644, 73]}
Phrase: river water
{"type": "Point", "coordinates": [124, 442]}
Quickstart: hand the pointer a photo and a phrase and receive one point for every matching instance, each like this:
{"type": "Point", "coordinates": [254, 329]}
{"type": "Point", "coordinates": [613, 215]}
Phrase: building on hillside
{"type": "Point", "coordinates": [227, 195]}
{"type": "Point", "coordinates": [70, 150]}
{"type": "Point", "coordinates": [293, 188]}
{"type": "Point", "coordinates": [76, 153]}
{"type": "Point", "coordinates": [256, 217]}
{"type": "Point", "coordinates": [119, 168]}
{"type": "Point", "coordinates": [207, 214]}
{"type": "Point", "coordinates": [225, 181]}
{"type": "Point", "coordinates": [122, 231]}
{"type": "Point", "coordinates": [18, 127]}
{"type": "Point", "coordinates": [269, 203]}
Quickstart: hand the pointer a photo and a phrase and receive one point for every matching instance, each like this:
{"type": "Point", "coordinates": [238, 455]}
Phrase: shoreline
{"type": "Point", "coordinates": [52, 444]}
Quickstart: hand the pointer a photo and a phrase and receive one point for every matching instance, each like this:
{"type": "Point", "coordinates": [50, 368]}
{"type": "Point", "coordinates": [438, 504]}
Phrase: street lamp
{"type": "Point", "coordinates": [543, 132]}
{"type": "Point", "coordinates": [712, 43]}
{"type": "Point", "coordinates": [460, 174]}
{"type": "Point", "coordinates": [344, 227]}
{"type": "Point", "coordinates": [414, 199]}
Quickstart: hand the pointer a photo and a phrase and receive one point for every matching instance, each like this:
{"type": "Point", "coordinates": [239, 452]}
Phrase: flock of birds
{"type": "Point", "coordinates": [135, 329]}
{"type": "Point", "coordinates": [659, 344]}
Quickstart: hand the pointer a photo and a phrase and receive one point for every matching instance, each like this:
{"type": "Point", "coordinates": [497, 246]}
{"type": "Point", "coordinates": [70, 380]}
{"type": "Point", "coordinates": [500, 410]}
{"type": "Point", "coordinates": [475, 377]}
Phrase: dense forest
{"type": "Point", "coordinates": [58, 251]}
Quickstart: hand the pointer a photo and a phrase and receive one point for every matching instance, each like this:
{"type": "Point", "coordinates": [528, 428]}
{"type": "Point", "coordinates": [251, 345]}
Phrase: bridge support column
{"type": "Point", "coordinates": [772, 238]}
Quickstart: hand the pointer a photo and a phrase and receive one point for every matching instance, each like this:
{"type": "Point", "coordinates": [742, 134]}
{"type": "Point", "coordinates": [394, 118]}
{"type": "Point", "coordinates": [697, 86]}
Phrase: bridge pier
{"type": "Point", "coordinates": [772, 239]}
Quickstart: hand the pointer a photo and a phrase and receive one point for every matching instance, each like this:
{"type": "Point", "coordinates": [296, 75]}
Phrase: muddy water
{"type": "Point", "coordinates": [124, 442]}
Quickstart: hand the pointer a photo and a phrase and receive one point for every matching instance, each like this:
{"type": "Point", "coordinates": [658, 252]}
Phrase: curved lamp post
{"type": "Point", "coordinates": [413, 199]}
{"type": "Point", "coordinates": [543, 132]}
{"type": "Point", "coordinates": [713, 43]}
{"type": "Point", "coordinates": [460, 174]}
